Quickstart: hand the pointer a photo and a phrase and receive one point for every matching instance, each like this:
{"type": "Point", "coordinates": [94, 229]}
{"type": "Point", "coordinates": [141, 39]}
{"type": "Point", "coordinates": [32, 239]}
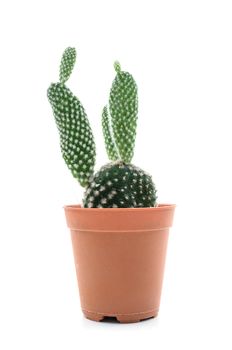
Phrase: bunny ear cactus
{"type": "Point", "coordinates": [76, 137]}
{"type": "Point", "coordinates": [123, 104]}
{"type": "Point", "coordinates": [118, 184]}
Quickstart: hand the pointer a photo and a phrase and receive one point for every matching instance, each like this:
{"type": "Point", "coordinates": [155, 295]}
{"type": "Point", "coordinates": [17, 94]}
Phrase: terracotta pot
{"type": "Point", "coordinates": [119, 257]}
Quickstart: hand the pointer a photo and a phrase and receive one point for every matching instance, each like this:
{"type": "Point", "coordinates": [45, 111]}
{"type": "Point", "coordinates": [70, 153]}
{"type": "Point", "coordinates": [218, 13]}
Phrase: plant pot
{"type": "Point", "coordinates": [119, 257]}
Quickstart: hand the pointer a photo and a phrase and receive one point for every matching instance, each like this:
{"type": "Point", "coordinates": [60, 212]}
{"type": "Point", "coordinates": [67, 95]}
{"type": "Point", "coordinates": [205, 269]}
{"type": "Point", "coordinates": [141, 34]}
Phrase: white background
{"type": "Point", "coordinates": [180, 55]}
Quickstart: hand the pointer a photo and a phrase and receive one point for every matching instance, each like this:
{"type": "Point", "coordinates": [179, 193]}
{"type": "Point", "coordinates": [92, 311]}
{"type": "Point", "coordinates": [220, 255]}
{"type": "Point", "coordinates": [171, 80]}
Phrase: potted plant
{"type": "Point", "coordinates": [119, 233]}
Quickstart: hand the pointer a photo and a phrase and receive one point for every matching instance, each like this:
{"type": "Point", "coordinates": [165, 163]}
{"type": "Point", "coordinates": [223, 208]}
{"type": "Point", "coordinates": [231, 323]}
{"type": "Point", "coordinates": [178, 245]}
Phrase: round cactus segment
{"type": "Point", "coordinates": [67, 63]}
{"type": "Point", "coordinates": [123, 104]}
{"type": "Point", "coordinates": [109, 142]}
{"type": "Point", "coordinates": [76, 138]}
{"type": "Point", "coordinates": [120, 185]}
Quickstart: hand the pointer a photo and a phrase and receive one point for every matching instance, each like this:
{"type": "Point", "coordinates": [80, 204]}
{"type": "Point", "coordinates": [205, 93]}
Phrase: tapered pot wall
{"type": "Point", "coordinates": [119, 257]}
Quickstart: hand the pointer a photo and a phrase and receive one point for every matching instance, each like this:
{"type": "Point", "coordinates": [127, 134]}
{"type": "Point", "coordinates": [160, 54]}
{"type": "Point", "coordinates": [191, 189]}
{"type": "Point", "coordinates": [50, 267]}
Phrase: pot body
{"type": "Point", "coordinates": [119, 258]}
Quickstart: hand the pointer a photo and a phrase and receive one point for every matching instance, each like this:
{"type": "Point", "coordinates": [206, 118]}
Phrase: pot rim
{"type": "Point", "coordinates": [161, 206]}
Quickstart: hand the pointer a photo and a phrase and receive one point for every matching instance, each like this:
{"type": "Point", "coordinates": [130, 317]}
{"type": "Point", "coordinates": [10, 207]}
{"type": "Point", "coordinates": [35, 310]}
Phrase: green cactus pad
{"type": "Point", "coordinates": [109, 142]}
{"type": "Point", "coordinates": [67, 63]}
{"type": "Point", "coordinates": [123, 104]}
{"type": "Point", "coordinates": [120, 185]}
{"type": "Point", "coordinates": [76, 138]}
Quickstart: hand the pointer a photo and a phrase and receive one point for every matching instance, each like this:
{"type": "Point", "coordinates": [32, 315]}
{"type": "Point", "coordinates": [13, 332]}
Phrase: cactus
{"type": "Point", "coordinates": [76, 137]}
{"type": "Point", "coordinates": [67, 64]}
{"type": "Point", "coordinates": [118, 184]}
{"type": "Point", "coordinates": [123, 105]}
